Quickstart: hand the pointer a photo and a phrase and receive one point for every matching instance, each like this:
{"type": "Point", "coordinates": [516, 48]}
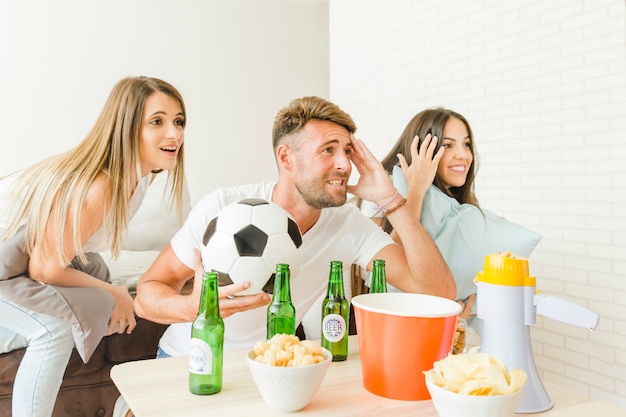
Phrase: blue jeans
{"type": "Point", "coordinates": [48, 343]}
{"type": "Point", "coordinates": [161, 354]}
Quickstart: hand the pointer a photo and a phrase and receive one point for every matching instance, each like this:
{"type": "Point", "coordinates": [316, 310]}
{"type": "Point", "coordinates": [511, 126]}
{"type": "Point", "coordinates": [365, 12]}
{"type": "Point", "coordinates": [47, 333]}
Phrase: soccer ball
{"type": "Point", "coordinates": [245, 242]}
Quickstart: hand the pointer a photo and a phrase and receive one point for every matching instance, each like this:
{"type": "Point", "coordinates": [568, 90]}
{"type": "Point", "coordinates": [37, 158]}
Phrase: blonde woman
{"type": "Point", "coordinates": [54, 218]}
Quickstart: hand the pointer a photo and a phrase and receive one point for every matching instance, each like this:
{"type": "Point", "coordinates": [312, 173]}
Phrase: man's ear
{"type": "Point", "coordinates": [283, 157]}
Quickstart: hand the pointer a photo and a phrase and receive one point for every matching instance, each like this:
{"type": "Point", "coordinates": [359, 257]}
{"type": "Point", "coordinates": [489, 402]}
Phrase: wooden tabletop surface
{"type": "Point", "coordinates": [159, 388]}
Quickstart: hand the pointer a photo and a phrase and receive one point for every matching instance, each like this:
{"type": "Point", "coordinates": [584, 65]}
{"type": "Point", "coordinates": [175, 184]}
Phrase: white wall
{"type": "Point", "coordinates": [543, 84]}
{"type": "Point", "coordinates": [235, 62]}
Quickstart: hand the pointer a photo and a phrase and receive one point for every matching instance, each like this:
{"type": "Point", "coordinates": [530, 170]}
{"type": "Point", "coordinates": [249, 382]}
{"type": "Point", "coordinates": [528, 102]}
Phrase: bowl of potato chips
{"type": "Point", "coordinates": [474, 384]}
{"type": "Point", "coordinates": [288, 371]}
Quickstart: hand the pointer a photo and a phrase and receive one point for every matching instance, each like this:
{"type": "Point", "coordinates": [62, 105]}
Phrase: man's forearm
{"type": "Point", "coordinates": [426, 264]}
{"type": "Point", "coordinates": [158, 302]}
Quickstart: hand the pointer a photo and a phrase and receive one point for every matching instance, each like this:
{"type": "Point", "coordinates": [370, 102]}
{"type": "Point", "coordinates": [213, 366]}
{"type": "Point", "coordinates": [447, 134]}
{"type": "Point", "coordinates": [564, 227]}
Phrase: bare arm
{"type": "Point", "coordinates": [158, 291]}
{"type": "Point", "coordinates": [49, 270]}
{"type": "Point", "coordinates": [416, 265]}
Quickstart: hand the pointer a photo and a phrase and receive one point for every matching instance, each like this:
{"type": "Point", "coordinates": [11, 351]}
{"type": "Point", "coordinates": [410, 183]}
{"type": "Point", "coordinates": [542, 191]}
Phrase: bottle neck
{"type": "Point", "coordinates": [335, 281]}
{"type": "Point", "coordinates": [379, 281]}
{"type": "Point", "coordinates": [209, 298]}
{"type": "Point", "coordinates": [282, 286]}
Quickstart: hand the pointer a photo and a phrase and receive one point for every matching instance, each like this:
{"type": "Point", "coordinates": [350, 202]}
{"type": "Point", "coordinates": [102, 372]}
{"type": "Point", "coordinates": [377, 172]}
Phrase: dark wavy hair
{"type": "Point", "coordinates": [433, 121]}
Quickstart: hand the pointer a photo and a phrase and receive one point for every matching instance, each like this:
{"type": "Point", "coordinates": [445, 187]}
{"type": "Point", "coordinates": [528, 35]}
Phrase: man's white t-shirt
{"type": "Point", "coordinates": [341, 233]}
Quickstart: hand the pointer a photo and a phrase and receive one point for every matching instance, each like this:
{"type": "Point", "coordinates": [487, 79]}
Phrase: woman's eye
{"type": "Point", "coordinates": [180, 122]}
{"type": "Point", "coordinates": [155, 122]}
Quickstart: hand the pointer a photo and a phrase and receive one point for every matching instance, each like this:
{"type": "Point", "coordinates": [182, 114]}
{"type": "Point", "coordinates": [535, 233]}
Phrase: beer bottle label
{"type": "Point", "coordinates": [334, 327]}
{"type": "Point", "coordinates": [200, 357]}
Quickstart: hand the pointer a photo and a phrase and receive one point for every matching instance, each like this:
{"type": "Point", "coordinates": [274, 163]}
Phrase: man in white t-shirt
{"type": "Point", "coordinates": [314, 148]}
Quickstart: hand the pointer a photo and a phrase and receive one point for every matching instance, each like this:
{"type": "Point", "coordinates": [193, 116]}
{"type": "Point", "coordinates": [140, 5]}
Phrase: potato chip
{"type": "Point", "coordinates": [518, 378]}
{"type": "Point", "coordinates": [475, 373]}
{"type": "Point", "coordinates": [288, 350]}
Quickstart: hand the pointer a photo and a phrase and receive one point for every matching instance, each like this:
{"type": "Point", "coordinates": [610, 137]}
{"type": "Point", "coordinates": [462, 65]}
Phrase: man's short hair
{"type": "Point", "coordinates": [300, 111]}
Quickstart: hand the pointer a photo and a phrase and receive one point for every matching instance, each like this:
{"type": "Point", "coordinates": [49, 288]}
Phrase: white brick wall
{"type": "Point", "coordinates": [544, 87]}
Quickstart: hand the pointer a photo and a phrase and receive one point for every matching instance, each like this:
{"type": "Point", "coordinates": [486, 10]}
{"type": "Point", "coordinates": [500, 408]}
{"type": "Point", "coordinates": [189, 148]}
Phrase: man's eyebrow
{"type": "Point", "coordinates": [333, 142]}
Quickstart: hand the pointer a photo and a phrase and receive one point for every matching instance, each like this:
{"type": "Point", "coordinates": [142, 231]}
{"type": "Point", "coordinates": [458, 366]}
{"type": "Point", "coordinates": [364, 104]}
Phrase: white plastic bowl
{"type": "Point", "coordinates": [288, 388]}
{"type": "Point", "coordinates": [451, 404]}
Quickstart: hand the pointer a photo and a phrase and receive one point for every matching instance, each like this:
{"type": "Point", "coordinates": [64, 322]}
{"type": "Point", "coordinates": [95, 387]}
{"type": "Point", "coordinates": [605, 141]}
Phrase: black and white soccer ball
{"type": "Point", "coordinates": [245, 242]}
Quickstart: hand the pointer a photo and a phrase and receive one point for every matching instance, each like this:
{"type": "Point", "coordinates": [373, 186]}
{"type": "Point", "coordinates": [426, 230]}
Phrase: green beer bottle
{"type": "Point", "coordinates": [379, 279]}
{"type": "Point", "coordinates": [281, 314]}
{"type": "Point", "coordinates": [207, 341]}
{"type": "Point", "coordinates": [335, 315]}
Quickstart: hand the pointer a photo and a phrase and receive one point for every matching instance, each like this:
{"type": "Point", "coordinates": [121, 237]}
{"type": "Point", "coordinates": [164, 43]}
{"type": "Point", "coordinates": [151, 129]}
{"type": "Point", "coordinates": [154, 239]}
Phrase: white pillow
{"type": "Point", "coordinates": [154, 224]}
{"type": "Point", "coordinates": [129, 266]}
{"type": "Point", "coordinates": [466, 234]}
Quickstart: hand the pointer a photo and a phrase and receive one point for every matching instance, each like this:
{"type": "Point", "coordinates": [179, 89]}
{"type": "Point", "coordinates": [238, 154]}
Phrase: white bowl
{"type": "Point", "coordinates": [451, 404]}
{"type": "Point", "coordinates": [288, 388]}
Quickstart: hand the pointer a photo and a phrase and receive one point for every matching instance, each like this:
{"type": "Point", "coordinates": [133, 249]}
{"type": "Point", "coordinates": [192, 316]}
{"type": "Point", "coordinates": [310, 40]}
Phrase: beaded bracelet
{"type": "Point", "coordinates": [394, 208]}
{"type": "Point", "coordinates": [383, 207]}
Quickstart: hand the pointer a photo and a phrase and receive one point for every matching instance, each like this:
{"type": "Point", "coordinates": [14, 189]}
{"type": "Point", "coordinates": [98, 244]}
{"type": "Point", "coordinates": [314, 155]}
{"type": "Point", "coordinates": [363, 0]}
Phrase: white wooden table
{"type": "Point", "coordinates": [159, 388]}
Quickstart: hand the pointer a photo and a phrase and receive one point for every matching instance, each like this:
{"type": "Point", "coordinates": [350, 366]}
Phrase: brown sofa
{"type": "Point", "coordinates": [87, 389]}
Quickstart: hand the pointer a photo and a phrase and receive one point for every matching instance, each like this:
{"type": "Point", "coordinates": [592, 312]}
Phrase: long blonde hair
{"type": "Point", "coordinates": [56, 187]}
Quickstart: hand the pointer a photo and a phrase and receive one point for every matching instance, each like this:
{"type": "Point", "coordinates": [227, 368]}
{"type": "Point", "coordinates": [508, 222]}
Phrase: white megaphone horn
{"type": "Point", "coordinates": [508, 303]}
